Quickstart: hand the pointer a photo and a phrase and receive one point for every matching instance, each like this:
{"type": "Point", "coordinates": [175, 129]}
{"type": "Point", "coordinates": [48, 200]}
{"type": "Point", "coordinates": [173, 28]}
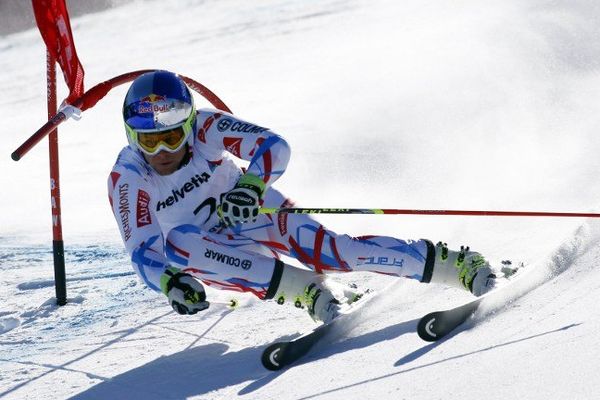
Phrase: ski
{"type": "Point", "coordinates": [281, 354]}
{"type": "Point", "coordinates": [435, 325]}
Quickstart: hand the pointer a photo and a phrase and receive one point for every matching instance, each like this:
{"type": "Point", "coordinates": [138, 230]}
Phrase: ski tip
{"type": "Point", "coordinates": [272, 357]}
{"type": "Point", "coordinates": [426, 330]}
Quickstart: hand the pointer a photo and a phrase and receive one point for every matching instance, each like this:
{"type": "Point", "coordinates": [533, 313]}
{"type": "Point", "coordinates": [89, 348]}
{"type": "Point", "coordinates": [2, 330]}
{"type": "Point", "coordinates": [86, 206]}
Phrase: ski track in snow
{"type": "Point", "coordinates": [386, 104]}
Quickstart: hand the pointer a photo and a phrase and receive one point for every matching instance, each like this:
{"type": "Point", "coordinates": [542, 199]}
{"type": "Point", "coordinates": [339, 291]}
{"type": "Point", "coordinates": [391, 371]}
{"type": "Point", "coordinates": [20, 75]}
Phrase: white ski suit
{"type": "Point", "coordinates": [172, 219]}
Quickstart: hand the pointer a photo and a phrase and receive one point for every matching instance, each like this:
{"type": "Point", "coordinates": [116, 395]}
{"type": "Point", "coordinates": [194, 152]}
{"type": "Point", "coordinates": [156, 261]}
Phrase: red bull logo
{"type": "Point", "coordinates": [153, 98]}
{"type": "Point", "coordinates": [153, 103]}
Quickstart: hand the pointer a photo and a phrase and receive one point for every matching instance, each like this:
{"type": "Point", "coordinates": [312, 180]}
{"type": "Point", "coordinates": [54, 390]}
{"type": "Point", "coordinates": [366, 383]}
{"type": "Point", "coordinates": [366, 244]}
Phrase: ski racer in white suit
{"type": "Point", "coordinates": [188, 214]}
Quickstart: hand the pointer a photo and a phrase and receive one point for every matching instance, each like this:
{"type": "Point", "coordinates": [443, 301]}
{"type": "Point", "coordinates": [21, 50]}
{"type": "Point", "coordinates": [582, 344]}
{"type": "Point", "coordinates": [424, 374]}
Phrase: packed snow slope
{"type": "Point", "coordinates": [386, 104]}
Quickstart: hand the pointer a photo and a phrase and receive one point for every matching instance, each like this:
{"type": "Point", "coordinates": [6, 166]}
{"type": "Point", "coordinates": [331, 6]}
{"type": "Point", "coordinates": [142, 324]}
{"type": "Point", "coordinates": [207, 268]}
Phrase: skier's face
{"type": "Point", "coordinates": [165, 163]}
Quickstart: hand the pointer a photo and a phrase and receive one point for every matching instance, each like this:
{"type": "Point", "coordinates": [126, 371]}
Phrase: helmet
{"type": "Point", "coordinates": [159, 113]}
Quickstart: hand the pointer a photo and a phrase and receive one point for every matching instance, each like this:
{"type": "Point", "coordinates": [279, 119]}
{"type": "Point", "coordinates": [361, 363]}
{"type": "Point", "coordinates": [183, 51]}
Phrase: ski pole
{"type": "Point", "coordinates": [232, 304]}
{"type": "Point", "coordinates": [289, 210]}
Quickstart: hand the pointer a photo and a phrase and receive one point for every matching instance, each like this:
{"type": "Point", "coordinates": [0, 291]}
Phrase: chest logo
{"type": "Point", "coordinates": [179, 194]}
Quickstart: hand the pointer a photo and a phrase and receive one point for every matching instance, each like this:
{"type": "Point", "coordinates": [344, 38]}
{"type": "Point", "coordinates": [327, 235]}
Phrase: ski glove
{"type": "Point", "coordinates": [186, 295]}
{"type": "Point", "coordinates": [241, 204]}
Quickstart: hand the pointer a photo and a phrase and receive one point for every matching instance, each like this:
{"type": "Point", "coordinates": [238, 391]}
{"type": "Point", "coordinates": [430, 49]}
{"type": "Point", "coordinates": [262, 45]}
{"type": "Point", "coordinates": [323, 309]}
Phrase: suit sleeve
{"type": "Point", "coordinates": [141, 234]}
{"type": "Point", "coordinates": [267, 152]}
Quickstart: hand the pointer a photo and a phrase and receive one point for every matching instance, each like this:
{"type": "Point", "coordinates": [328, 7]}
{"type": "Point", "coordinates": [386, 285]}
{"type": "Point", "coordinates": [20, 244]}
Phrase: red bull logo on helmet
{"type": "Point", "coordinates": [151, 98]}
{"type": "Point", "coordinates": [153, 103]}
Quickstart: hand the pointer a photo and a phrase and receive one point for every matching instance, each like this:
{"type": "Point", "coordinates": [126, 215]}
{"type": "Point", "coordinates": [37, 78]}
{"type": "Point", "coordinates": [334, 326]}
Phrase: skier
{"type": "Point", "coordinates": [188, 214]}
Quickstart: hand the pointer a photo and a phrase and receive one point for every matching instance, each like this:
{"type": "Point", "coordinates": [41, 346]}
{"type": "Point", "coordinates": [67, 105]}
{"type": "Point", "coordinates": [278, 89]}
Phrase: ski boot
{"type": "Point", "coordinates": [463, 269]}
{"type": "Point", "coordinates": [322, 297]}
{"type": "Point", "coordinates": [325, 298]}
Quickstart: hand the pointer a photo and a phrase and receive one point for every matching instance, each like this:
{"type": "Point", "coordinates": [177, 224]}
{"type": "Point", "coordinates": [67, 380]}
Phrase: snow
{"type": "Point", "coordinates": [387, 104]}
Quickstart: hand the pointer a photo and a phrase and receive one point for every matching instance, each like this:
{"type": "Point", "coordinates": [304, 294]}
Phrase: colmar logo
{"type": "Point", "coordinates": [224, 124]}
{"type": "Point", "coordinates": [142, 210]}
{"type": "Point", "coordinates": [228, 124]}
{"type": "Point", "coordinates": [229, 260]}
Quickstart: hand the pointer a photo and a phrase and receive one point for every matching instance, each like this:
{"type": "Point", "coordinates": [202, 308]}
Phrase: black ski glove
{"type": "Point", "coordinates": [186, 295]}
{"type": "Point", "coordinates": [242, 203]}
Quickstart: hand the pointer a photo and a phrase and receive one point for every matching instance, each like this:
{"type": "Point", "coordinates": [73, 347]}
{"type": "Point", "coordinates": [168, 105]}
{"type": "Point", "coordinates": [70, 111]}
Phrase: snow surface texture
{"type": "Point", "coordinates": [387, 104]}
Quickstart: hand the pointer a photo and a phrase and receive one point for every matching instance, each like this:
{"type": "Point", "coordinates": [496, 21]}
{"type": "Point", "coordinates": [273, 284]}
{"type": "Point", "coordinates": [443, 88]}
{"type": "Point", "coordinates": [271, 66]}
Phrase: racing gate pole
{"type": "Point", "coordinates": [57, 240]}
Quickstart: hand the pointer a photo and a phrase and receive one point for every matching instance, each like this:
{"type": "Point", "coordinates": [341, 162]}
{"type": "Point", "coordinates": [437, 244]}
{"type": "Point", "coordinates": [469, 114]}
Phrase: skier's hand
{"type": "Point", "coordinates": [241, 204]}
{"type": "Point", "coordinates": [186, 295]}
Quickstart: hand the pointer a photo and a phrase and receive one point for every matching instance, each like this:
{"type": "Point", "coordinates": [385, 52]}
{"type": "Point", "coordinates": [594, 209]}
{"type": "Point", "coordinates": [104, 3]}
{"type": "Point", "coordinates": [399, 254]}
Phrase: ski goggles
{"type": "Point", "coordinates": [170, 140]}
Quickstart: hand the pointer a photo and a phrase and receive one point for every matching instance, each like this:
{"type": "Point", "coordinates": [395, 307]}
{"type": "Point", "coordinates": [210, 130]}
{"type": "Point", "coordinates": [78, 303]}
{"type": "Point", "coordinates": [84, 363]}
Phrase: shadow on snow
{"type": "Point", "coordinates": [211, 367]}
